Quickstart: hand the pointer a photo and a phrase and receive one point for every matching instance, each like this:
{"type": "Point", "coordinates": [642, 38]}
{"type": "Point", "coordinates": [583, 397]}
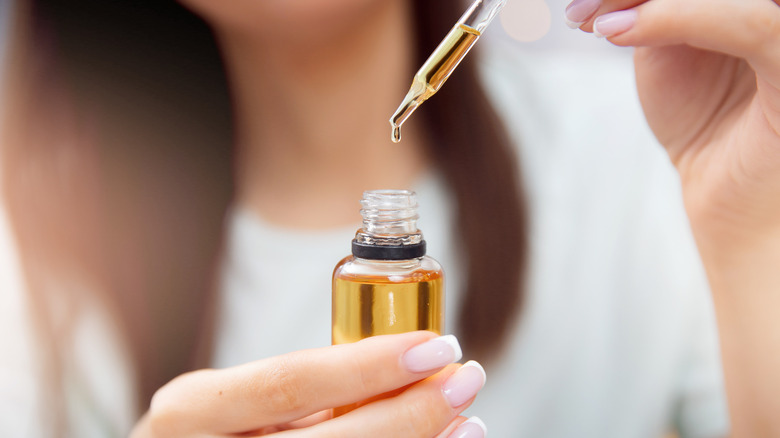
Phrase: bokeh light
{"type": "Point", "coordinates": [526, 20]}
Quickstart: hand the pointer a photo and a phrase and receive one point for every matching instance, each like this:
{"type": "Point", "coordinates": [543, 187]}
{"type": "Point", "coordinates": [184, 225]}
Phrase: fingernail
{"type": "Point", "coordinates": [471, 428]}
{"type": "Point", "coordinates": [580, 11]}
{"type": "Point", "coordinates": [464, 384]}
{"type": "Point", "coordinates": [614, 23]}
{"type": "Point", "coordinates": [436, 353]}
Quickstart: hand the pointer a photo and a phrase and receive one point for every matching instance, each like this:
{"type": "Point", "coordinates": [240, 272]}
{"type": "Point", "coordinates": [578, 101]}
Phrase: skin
{"type": "Point", "coordinates": [709, 79]}
{"type": "Point", "coordinates": [313, 141]}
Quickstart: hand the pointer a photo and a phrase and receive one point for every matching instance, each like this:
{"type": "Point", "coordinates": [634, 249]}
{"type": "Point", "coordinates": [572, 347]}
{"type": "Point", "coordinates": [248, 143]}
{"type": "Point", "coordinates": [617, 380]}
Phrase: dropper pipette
{"type": "Point", "coordinates": [443, 61]}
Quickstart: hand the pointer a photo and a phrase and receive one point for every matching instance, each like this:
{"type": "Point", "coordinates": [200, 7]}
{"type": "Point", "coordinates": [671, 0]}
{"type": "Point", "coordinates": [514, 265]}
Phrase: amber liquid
{"type": "Point", "coordinates": [446, 57]}
{"type": "Point", "coordinates": [435, 72]}
{"type": "Point", "coordinates": [366, 306]}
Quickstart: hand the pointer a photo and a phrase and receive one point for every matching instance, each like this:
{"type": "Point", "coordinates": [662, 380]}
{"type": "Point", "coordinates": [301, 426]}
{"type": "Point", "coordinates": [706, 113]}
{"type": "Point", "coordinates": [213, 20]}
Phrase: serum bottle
{"type": "Point", "coordinates": [388, 285]}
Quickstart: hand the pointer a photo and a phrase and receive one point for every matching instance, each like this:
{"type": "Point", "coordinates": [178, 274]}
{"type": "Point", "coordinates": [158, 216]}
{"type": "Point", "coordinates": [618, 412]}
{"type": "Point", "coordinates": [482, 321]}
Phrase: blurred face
{"type": "Point", "coordinates": [285, 19]}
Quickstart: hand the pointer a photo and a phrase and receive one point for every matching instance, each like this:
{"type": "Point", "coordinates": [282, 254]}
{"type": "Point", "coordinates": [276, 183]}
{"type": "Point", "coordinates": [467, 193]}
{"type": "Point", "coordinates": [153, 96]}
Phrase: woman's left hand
{"type": "Point", "coordinates": [708, 75]}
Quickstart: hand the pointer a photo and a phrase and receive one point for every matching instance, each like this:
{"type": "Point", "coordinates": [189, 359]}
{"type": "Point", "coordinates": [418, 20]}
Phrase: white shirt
{"type": "Point", "coordinates": [618, 336]}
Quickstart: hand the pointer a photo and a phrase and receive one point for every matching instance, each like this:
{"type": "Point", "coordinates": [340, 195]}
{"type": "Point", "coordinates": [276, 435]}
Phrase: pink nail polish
{"type": "Point", "coordinates": [464, 384]}
{"type": "Point", "coordinates": [580, 11]}
{"type": "Point", "coordinates": [471, 428]}
{"type": "Point", "coordinates": [436, 353]}
{"type": "Point", "coordinates": [614, 23]}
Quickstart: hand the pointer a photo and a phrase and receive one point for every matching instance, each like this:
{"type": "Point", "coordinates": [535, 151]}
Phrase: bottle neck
{"type": "Point", "coordinates": [389, 229]}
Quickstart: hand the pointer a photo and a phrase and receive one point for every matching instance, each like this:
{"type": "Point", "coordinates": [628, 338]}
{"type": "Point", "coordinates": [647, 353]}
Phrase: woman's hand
{"type": "Point", "coordinates": [291, 395]}
{"type": "Point", "coordinates": [708, 74]}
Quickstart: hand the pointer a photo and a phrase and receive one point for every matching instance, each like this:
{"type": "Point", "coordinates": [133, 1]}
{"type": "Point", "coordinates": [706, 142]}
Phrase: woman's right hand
{"type": "Point", "coordinates": [291, 395]}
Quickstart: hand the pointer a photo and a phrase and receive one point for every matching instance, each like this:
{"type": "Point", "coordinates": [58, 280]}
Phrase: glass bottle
{"type": "Point", "coordinates": [388, 285]}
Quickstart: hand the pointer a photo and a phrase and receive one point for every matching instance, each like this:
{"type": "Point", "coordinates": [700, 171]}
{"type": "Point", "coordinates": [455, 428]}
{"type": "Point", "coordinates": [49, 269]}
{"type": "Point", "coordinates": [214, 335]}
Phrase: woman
{"type": "Point", "coordinates": [290, 71]}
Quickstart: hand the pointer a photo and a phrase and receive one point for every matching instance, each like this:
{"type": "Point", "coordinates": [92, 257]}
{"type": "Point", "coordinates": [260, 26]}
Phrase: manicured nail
{"type": "Point", "coordinates": [471, 428]}
{"type": "Point", "coordinates": [436, 353]}
{"type": "Point", "coordinates": [464, 384]}
{"type": "Point", "coordinates": [580, 11]}
{"type": "Point", "coordinates": [614, 23]}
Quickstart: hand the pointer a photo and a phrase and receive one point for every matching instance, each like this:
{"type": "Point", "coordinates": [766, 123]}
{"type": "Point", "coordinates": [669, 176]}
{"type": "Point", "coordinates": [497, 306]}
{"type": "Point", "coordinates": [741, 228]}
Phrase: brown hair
{"type": "Point", "coordinates": [139, 208]}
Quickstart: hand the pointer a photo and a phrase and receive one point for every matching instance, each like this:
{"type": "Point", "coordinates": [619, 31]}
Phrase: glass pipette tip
{"type": "Point", "coordinates": [443, 61]}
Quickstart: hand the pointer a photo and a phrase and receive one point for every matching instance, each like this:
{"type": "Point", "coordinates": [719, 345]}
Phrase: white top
{"type": "Point", "coordinates": [618, 336]}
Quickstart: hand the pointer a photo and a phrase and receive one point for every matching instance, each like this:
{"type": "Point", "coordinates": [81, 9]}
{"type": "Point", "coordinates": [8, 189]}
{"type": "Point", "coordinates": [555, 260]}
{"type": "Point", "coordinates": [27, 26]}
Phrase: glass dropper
{"type": "Point", "coordinates": [443, 61]}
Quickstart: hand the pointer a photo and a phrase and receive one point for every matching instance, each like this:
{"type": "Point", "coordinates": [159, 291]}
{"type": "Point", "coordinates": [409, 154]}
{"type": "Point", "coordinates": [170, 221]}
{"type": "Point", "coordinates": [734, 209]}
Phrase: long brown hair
{"type": "Point", "coordinates": [139, 210]}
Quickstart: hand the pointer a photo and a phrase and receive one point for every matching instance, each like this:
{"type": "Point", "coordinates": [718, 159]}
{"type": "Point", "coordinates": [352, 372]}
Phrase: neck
{"type": "Point", "coordinates": [312, 119]}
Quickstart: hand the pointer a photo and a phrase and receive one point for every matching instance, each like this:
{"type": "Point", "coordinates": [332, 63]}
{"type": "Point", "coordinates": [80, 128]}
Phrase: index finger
{"type": "Point", "coordinates": [288, 387]}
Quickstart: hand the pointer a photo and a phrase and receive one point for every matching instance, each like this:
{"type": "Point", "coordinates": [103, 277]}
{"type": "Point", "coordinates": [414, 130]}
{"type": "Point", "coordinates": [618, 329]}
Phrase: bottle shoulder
{"type": "Point", "coordinates": [397, 271]}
